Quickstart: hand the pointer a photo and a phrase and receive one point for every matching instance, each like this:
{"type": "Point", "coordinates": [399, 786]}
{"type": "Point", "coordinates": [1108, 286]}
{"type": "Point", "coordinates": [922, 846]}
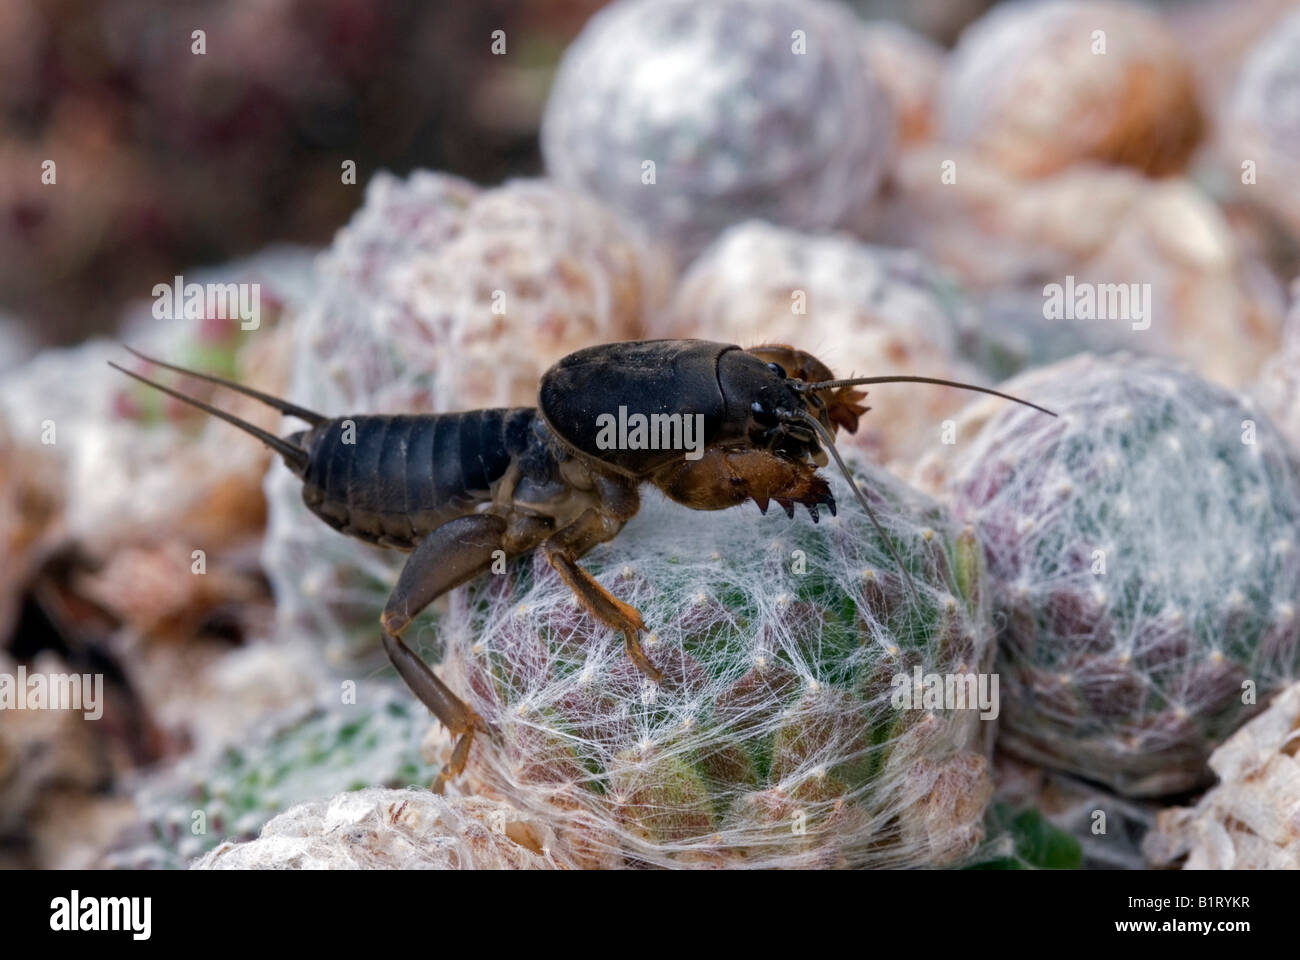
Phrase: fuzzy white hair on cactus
{"type": "Point", "coordinates": [776, 738]}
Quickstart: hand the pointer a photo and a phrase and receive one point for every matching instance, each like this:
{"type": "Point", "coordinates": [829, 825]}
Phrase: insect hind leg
{"type": "Point", "coordinates": [446, 558]}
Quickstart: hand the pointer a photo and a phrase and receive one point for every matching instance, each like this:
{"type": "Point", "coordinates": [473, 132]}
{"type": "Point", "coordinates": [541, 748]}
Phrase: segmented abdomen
{"type": "Point", "coordinates": [403, 476]}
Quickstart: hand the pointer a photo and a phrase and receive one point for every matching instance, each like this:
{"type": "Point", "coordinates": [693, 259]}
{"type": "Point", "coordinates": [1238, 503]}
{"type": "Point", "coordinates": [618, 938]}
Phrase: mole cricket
{"type": "Point", "coordinates": [454, 489]}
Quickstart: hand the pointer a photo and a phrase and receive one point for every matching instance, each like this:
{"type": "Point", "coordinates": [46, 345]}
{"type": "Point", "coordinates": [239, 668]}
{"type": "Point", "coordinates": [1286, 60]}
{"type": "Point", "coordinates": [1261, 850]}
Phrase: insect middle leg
{"type": "Point", "coordinates": [445, 559]}
{"type": "Point", "coordinates": [562, 551]}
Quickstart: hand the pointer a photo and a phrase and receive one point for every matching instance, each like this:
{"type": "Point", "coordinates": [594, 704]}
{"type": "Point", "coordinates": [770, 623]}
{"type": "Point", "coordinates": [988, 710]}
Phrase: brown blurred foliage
{"type": "Point", "coordinates": [165, 158]}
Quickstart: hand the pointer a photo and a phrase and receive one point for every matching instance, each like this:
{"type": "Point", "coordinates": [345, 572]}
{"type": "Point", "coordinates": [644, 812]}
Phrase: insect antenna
{"type": "Point", "coordinates": [284, 406]}
{"type": "Point", "coordinates": [829, 441]}
{"type": "Point", "coordinates": [803, 386]}
{"type": "Point", "coordinates": [296, 457]}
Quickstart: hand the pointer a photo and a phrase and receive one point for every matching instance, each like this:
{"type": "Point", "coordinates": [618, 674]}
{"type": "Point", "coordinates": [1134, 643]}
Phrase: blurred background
{"type": "Point", "coordinates": [170, 160]}
{"type": "Point", "coordinates": [480, 169]}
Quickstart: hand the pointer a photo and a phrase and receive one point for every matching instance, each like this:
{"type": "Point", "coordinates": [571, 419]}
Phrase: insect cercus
{"type": "Point", "coordinates": [452, 489]}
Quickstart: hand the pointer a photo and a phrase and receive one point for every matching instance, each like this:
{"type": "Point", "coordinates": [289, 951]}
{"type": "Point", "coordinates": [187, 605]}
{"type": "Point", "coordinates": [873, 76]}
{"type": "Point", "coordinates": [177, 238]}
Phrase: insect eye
{"type": "Point", "coordinates": [778, 370]}
{"type": "Point", "coordinates": [762, 412]}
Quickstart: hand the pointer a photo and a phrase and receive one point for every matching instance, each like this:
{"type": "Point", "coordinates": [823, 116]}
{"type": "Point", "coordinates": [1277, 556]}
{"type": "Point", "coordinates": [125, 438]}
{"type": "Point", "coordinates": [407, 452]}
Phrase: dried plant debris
{"type": "Point", "coordinates": [132, 463]}
{"type": "Point", "coordinates": [1251, 820]}
{"type": "Point", "coordinates": [43, 750]}
{"type": "Point", "coordinates": [391, 829]}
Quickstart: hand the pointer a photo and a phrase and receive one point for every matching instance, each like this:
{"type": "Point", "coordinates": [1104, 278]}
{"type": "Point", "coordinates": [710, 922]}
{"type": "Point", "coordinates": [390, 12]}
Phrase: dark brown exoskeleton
{"type": "Point", "coordinates": [453, 489]}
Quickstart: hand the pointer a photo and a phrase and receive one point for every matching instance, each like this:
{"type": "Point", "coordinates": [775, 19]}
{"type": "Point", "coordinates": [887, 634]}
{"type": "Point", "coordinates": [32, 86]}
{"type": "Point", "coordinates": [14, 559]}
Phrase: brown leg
{"type": "Point", "coordinates": [562, 552]}
{"type": "Point", "coordinates": [449, 556]}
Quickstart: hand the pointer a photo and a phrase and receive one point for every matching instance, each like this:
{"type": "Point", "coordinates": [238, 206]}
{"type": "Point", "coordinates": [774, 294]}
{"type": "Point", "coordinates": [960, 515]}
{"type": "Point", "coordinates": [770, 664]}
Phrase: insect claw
{"type": "Point", "coordinates": [787, 506]}
{"type": "Point", "coordinates": [812, 512]}
{"type": "Point", "coordinates": [830, 504]}
{"type": "Point", "coordinates": [762, 504]}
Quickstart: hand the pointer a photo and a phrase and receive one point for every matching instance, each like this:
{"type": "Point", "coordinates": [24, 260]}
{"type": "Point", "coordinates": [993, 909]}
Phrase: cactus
{"type": "Point", "coordinates": [696, 116]}
{"type": "Point", "coordinates": [1112, 82]}
{"type": "Point", "coordinates": [1014, 334]}
{"type": "Point", "coordinates": [1263, 122]}
{"type": "Point", "coordinates": [1144, 548]}
{"type": "Point", "coordinates": [441, 296]}
{"type": "Point", "coordinates": [775, 738]}
{"type": "Point", "coordinates": [290, 758]}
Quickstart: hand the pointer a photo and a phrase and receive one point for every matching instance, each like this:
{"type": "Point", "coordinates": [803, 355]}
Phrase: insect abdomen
{"type": "Point", "coordinates": [400, 477]}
